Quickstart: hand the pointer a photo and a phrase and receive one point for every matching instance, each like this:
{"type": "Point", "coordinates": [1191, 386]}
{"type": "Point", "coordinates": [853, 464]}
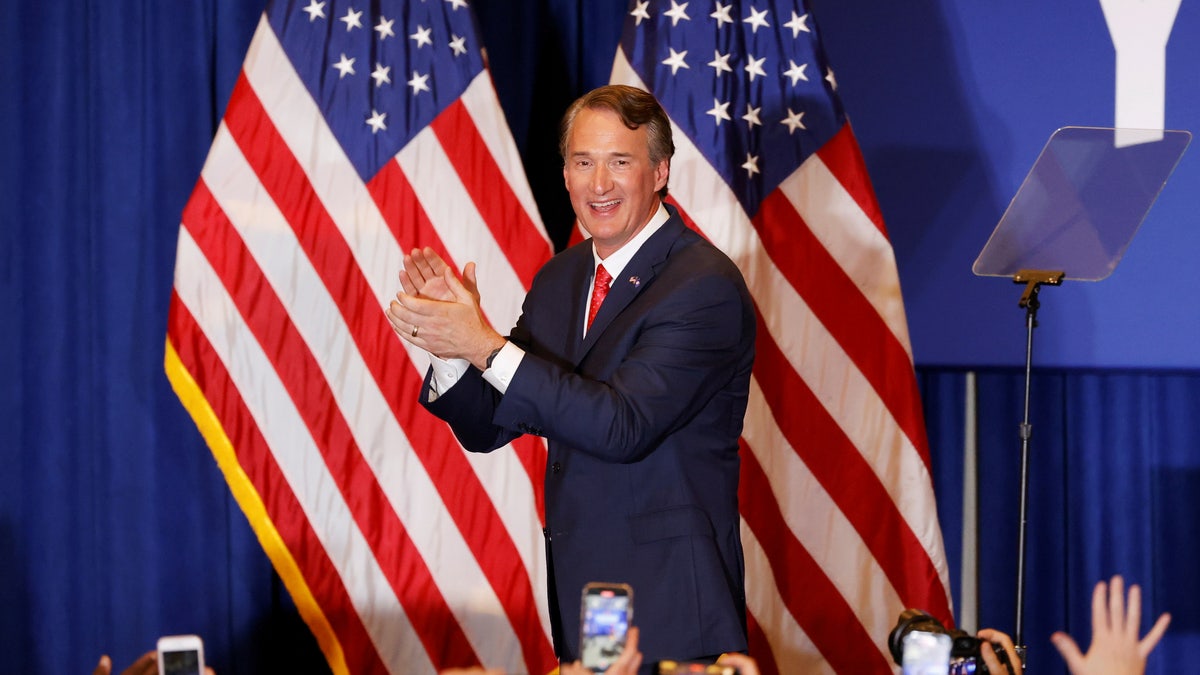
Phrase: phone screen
{"type": "Point", "coordinates": [926, 653]}
{"type": "Point", "coordinates": [606, 615]}
{"type": "Point", "coordinates": [183, 662]}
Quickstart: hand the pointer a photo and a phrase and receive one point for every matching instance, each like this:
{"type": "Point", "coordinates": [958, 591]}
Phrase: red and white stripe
{"type": "Point", "coordinates": [839, 521]}
{"type": "Point", "coordinates": [405, 554]}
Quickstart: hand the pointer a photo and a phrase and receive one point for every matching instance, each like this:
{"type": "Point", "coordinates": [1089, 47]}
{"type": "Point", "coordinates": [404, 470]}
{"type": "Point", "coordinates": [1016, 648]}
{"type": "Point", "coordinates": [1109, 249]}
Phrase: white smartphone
{"type": "Point", "coordinates": [605, 617]}
{"type": "Point", "coordinates": [180, 655]}
{"type": "Point", "coordinates": [926, 653]}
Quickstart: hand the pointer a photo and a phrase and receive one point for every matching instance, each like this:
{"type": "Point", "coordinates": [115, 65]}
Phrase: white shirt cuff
{"type": "Point", "coordinates": [504, 366]}
{"type": "Point", "coordinates": [446, 373]}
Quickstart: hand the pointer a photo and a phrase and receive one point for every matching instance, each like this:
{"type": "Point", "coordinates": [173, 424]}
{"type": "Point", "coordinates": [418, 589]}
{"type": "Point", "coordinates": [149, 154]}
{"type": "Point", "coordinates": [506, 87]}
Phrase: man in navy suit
{"type": "Point", "coordinates": [642, 404]}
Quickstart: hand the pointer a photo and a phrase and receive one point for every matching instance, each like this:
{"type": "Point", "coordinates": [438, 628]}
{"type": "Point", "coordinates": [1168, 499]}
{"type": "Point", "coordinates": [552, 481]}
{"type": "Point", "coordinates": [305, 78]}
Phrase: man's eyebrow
{"type": "Point", "coordinates": [584, 153]}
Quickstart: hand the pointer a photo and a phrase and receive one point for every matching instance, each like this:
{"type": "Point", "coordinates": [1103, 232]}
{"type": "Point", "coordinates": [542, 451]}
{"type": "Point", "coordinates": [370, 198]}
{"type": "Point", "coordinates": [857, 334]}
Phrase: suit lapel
{"type": "Point", "coordinates": [638, 274]}
{"type": "Point", "coordinates": [579, 282]}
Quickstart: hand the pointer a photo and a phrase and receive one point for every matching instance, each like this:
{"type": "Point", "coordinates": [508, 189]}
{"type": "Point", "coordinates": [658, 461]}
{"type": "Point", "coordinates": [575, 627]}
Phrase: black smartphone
{"type": "Point", "coordinates": [606, 613]}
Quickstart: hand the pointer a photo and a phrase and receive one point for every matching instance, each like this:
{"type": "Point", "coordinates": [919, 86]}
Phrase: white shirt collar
{"type": "Point", "coordinates": [621, 257]}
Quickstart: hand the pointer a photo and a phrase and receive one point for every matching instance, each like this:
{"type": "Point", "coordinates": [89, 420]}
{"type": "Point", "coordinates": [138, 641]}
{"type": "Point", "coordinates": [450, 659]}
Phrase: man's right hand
{"type": "Point", "coordinates": [423, 275]}
{"type": "Point", "coordinates": [442, 316]}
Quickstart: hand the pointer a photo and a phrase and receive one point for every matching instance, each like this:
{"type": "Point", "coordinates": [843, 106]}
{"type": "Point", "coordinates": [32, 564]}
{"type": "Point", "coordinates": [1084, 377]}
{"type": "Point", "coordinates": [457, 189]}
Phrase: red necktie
{"type": "Point", "coordinates": [599, 291]}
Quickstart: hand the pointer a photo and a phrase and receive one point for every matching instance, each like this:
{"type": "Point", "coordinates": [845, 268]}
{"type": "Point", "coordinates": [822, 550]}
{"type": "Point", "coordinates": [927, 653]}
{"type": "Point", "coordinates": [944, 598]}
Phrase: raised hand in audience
{"type": "Point", "coordinates": [1115, 648]}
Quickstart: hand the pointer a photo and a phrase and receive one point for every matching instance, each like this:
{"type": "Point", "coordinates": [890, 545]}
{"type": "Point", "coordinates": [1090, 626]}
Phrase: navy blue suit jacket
{"type": "Point", "coordinates": [642, 418]}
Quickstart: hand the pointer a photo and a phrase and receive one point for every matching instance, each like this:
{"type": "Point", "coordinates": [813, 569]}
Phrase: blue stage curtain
{"type": "Point", "coordinates": [1114, 488]}
{"type": "Point", "coordinates": [115, 525]}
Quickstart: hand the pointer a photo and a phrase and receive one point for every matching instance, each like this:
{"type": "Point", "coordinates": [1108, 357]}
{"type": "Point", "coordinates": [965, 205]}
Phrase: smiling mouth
{"type": "Point", "coordinates": [604, 206]}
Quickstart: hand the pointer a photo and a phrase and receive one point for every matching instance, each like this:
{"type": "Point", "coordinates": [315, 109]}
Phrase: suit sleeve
{"type": "Point", "coordinates": [468, 407]}
{"type": "Point", "coordinates": [681, 354]}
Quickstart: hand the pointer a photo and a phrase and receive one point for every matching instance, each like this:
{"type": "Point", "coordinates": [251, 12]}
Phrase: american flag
{"type": "Point", "coordinates": [358, 131]}
{"type": "Point", "coordinates": [838, 517]}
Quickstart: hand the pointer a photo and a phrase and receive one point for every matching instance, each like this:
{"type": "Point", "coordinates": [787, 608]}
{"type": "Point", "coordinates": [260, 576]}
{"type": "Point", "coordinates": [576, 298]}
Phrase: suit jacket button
{"type": "Point", "coordinates": [556, 467]}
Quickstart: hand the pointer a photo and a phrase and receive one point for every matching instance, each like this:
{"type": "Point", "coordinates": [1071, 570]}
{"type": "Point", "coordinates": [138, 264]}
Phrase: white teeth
{"type": "Point", "coordinates": [604, 205]}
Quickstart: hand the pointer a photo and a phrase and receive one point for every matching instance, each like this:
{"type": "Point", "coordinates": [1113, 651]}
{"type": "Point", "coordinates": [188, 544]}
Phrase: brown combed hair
{"type": "Point", "coordinates": [635, 107]}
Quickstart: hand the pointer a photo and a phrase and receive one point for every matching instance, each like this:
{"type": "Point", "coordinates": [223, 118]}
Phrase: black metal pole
{"type": "Point", "coordinates": [1026, 432]}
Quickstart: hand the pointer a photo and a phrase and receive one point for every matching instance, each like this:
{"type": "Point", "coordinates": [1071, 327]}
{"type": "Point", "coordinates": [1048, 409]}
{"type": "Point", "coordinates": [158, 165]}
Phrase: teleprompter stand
{"type": "Point", "coordinates": [1073, 217]}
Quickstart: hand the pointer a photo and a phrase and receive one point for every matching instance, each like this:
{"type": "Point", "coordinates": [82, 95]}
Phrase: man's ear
{"type": "Point", "coordinates": [661, 173]}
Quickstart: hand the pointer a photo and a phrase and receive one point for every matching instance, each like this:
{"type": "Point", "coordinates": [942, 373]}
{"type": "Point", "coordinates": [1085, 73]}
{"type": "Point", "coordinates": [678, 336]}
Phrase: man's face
{"type": "Point", "coordinates": [613, 184]}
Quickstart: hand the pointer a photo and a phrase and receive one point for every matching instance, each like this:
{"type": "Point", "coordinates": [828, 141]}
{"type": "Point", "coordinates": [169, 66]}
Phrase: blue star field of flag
{"type": "Point", "coordinates": [380, 70]}
{"type": "Point", "coordinates": [748, 82]}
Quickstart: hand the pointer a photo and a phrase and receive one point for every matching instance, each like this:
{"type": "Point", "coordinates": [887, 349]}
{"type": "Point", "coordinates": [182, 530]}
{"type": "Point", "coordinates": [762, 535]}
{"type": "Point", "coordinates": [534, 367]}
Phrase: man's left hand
{"type": "Point", "coordinates": [447, 329]}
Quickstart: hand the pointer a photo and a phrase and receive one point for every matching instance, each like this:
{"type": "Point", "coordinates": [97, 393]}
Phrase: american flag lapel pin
{"type": "Point", "coordinates": [636, 281]}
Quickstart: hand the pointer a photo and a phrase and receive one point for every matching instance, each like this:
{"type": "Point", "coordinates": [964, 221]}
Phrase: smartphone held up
{"type": "Point", "coordinates": [180, 655]}
{"type": "Point", "coordinates": [607, 611]}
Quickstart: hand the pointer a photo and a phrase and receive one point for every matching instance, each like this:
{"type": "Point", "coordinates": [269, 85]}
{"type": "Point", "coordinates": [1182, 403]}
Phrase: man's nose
{"type": "Point", "coordinates": [601, 179]}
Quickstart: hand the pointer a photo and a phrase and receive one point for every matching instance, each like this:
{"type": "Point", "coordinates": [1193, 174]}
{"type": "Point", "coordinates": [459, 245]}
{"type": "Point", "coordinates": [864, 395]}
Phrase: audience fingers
{"type": "Point", "coordinates": [1116, 604]}
{"type": "Point", "coordinates": [989, 658]}
{"type": "Point", "coordinates": [631, 640]}
{"type": "Point", "coordinates": [1005, 642]}
{"type": "Point", "coordinates": [630, 659]}
{"type": "Point", "coordinates": [1066, 646]}
{"type": "Point", "coordinates": [1148, 643]}
{"type": "Point", "coordinates": [1100, 609]}
{"type": "Point", "coordinates": [626, 664]}
{"type": "Point", "coordinates": [994, 636]}
{"type": "Point", "coordinates": [1132, 617]}
{"type": "Point", "coordinates": [147, 664]}
{"type": "Point", "coordinates": [744, 664]}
